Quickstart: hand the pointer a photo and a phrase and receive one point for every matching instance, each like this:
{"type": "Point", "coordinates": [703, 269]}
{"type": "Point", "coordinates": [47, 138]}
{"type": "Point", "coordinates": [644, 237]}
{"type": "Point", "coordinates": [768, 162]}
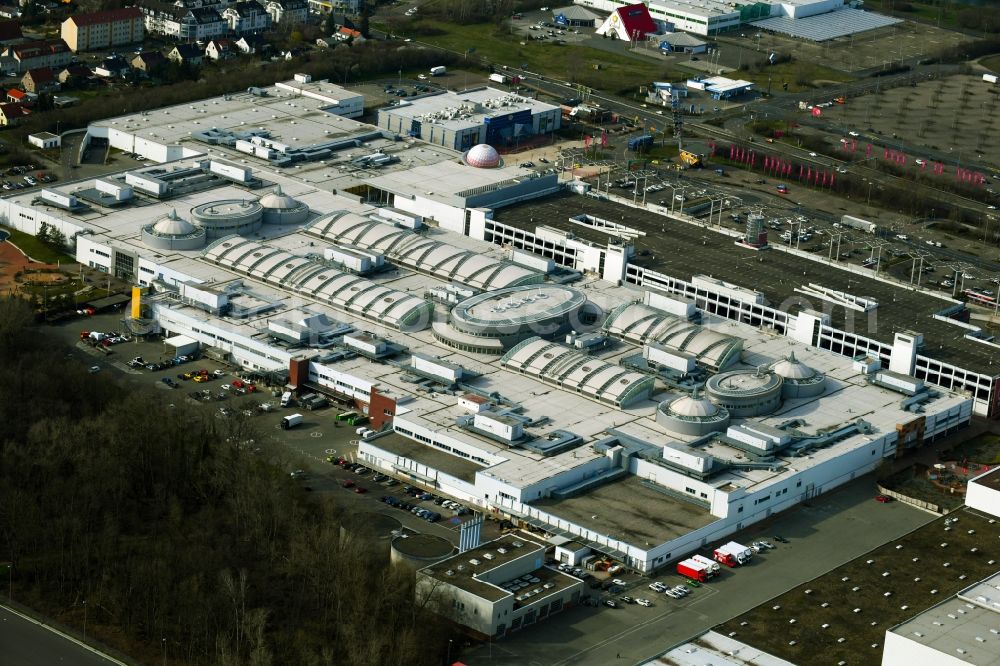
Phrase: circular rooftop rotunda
{"type": "Point", "coordinates": [171, 232]}
{"type": "Point", "coordinates": [692, 415]}
{"type": "Point", "coordinates": [279, 208]}
{"type": "Point", "coordinates": [483, 156]}
{"type": "Point", "coordinates": [750, 392]}
{"type": "Point", "coordinates": [801, 381]}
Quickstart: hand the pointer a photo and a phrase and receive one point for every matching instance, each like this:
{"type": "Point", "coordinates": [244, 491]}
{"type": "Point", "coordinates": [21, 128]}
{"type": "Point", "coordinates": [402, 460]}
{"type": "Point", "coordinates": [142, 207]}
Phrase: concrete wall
{"type": "Point", "coordinates": [983, 498]}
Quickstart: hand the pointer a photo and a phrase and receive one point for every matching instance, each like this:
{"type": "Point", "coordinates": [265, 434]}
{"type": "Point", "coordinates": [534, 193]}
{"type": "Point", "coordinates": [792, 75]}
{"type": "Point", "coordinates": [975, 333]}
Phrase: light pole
{"type": "Point", "coordinates": [164, 641]}
{"type": "Point", "coordinates": [448, 659]}
{"type": "Point", "coordinates": [84, 620]}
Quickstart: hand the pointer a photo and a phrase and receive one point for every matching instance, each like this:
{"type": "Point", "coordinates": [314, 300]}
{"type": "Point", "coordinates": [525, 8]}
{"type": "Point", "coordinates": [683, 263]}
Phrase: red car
{"type": "Point", "coordinates": [884, 499]}
{"type": "Point", "coordinates": [347, 483]}
{"type": "Point", "coordinates": [360, 489]}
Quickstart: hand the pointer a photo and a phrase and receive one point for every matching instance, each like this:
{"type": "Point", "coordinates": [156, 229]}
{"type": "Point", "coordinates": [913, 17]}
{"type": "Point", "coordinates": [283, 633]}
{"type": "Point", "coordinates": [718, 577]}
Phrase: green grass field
{"type": "Point", "coordinates": [35, 249]}
{"type": "Point", "coordinates": [617, 73]}
{"type": "Point", "coordinates": [799, 75]}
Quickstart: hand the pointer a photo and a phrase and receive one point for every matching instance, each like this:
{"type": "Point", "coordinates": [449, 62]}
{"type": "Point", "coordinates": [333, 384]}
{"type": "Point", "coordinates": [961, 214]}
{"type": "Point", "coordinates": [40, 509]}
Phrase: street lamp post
{"type": "Point", "coordinates": [84, 620]}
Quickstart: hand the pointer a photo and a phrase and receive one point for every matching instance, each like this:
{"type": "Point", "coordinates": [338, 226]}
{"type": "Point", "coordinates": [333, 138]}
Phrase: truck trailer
{"type": "Point", "coordinates": [694, 570]}
{"type": "Point", "coordinates": [858, 223]}
{"type": "Point", "coordinates": [733, 554]}
{"type": "Point", "coordinates": [713, 567]}
{"type": "Point", "coordinates": [291, 421]}
{"type": "Point", "coordinates": [438, 71]}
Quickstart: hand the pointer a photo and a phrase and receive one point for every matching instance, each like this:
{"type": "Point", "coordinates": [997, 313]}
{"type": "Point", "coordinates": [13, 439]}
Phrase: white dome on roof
{"type": "Point", "coordinates": [791, 368]}
{"type": "Point", "coordinates": [482, 156]}
{"type": "Point", "coordinates": [693, 406]}
{"type": "Point", "coordinates": [171, 225]}
{"type": "Point", "coordinates": [277, 199]}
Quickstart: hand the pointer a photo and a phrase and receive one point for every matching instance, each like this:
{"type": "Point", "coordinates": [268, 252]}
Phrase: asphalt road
{"type": "Point", "coordinates": [584, 636]}
{"type": "Point", "coordinates": [25, 642]}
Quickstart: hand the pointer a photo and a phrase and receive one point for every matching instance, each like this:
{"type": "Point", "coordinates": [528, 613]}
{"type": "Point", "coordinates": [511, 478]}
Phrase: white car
{"type": "Point", "coordinates": [422, 77]}
{"type": "Point", "coordinates": [672, 594]}
{"type": "Point", "coordinates": [644, 602]}
{"type": "Point", "coordinates": [854, 134]}
{"type": "Point", "coordinates": [657, 586]}
{"type": "Point", "coordinates": [226, 387]}
{"type": "Point", "coordinates": [813, 155]}
{"type": "Point", "coordinates": [94, 368]}
{"type": "Point", "coordinates": [618, 581]}
{"type": "Point", "coordinates": [218, 373]}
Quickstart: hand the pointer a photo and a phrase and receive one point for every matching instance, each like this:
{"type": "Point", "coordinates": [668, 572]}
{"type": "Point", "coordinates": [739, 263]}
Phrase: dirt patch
{"type": "Point", "coordinates": [12, 262]}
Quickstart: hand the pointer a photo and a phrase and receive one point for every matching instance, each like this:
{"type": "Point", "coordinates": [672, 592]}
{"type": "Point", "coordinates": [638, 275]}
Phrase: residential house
{"type": "Point", "coordinates": [346, 34]}
{"type": "Point", "coordinates": [220, 49]}
{"type": "Point", "coordinates": [46, 53]}
{"type": "Point", "coordinates": [21, 97]}
{"type": "Point", "coordinates": [10, 32]}
{"type": "Point", "coordinates": [247, 18]}
{"type": "Point", "coordinates": [102, 30]}
{"type": "Point", "coordinates": [186, 54]}
{"type": "Point", "coordinates": [74, 75]}
{"type": "Point", "coordinates": [324, 7]}
{"type": "Point", "coordinates": [40, 80]}
{"type": "Point", "coordinates": [251, 44]}
{"type": "Point", "coordinates": [114, 67]}
{"type": "Point", "coordinates": [12, 113]}
{"type": "Point", "coordinates": [183, 23]}
{"type": "Point", "coordinates": [149, 62]}
{"type": "Point", "coordinates": [287, 12]}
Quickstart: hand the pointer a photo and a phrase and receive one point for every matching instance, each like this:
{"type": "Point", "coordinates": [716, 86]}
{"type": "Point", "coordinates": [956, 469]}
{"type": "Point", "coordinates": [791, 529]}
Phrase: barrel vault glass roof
{"type": "Point", "coordinates": [641, 324]}
{"type": "Point", "coordinates": [423, 254]}
{"type": "Point", "coordinates": [314, 278]}
{"type": "Point", "coordinates": [576, 371]}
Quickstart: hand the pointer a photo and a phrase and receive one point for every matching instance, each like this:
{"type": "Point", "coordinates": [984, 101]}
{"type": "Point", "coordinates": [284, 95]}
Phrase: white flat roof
{"type": "Point", "coordinates": [466, 108]}
{"type": "Point", "coordinates": [966, 621]}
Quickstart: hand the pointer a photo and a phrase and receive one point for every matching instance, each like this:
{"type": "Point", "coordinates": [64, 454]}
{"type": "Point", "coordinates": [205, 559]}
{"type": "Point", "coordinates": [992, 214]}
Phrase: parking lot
{"type": "Point", "coordinates": [307, 451]}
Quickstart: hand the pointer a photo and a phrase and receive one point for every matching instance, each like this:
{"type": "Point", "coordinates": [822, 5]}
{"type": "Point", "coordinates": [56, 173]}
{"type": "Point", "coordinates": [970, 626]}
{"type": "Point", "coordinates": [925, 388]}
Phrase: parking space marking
{"type": "Point", "coordinates": [316, 434]}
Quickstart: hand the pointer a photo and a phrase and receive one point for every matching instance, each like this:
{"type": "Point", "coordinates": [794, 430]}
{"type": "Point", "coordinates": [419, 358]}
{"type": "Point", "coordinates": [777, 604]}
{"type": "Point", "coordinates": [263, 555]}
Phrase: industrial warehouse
{"type": "Point", "coordinates": [547, 373]}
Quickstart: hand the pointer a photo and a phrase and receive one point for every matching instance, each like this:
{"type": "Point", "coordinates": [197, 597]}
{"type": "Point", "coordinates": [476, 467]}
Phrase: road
{"type": "Point", "coordinates": [26, 642]}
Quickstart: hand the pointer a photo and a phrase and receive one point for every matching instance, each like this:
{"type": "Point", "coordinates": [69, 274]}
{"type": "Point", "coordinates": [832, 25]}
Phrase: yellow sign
{"type": "Point", "coordinates": [136, 303]}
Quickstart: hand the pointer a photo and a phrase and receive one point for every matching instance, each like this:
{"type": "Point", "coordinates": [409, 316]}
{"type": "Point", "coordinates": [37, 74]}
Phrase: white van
{"type": "Point", "coordinates": [367, 434]}
{"type": "Point", "coordinates": [362, 430]}
{"type": "Point", "coordinates": [286, 398]}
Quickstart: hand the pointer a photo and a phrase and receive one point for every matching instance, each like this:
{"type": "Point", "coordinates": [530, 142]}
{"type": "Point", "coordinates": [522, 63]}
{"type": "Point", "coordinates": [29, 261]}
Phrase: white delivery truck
{"type": "Point", "coordinates": [438, 71]}
{"type": "Point", "coordinates": [286, 398]}
{"type": "Point", "coordinates": [291, 421]}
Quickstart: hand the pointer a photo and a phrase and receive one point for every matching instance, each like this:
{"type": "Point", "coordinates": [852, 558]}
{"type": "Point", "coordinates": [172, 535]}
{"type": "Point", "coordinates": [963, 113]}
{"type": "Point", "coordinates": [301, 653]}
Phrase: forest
{"type": "Point", "coordinates": [177, 538]}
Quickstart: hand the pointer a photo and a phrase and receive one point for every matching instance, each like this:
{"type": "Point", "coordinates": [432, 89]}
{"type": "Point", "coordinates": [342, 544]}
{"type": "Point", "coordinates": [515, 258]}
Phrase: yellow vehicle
{"type": "Point", "coordinates": [689, 158]}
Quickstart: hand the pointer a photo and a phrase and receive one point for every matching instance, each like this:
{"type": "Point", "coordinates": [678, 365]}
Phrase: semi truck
{"type": "Point", "coordinates": [694, 570]}
{"type": "Point", "coordinates": [733, 554]}
{"type": "Point", "coordinates": [712, 566]}
{"type": "Point", "coordinates": [440, 70]}
{"type": "Point", "coordinates": [291, 421]}
{"type": "Point", "coordinates": [640, 142]}
{"type": "Point", "coordinates": [858, 223]}
{"type": "Point", "coordinates": [503, 78]}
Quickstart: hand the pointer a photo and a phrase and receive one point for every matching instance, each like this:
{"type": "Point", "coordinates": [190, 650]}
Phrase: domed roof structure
{"type": "Point", "coordinates": [482, 156]}
{"type": "Point", "coordinates": [692, 415]}
{"type": "Point", "coordinates": [792, 368]}
{"type": "Point", "coordinates": [693, 406]}
{"type": "Point", "coordinates": [278, 199]}
{"type": "Point", "coordinates": [172, 225]}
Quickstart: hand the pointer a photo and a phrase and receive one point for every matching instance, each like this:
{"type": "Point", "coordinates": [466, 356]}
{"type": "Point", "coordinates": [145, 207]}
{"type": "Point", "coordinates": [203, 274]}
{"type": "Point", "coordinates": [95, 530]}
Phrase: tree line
{"type": "Point", "coordinates": [170, 532]}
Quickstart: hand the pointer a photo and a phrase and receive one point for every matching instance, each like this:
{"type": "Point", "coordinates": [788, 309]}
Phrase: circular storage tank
{"type": "Point", "coordinates": [800, 381]}
{"type": "Point", "coordinates": [693, 415]}
{"type": "Point", "coordinates": [373, 528]}
{"type": "Point", "coordinates": [745, 392]}
{"type": "Point", "coordinates": [173, 233]}
{"type": "Point", "coordinates": [279, 208]}
{"type": "Point", "coordinates": [232, 216]}
{"type": "Point", "coordinates": [419, 550]}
